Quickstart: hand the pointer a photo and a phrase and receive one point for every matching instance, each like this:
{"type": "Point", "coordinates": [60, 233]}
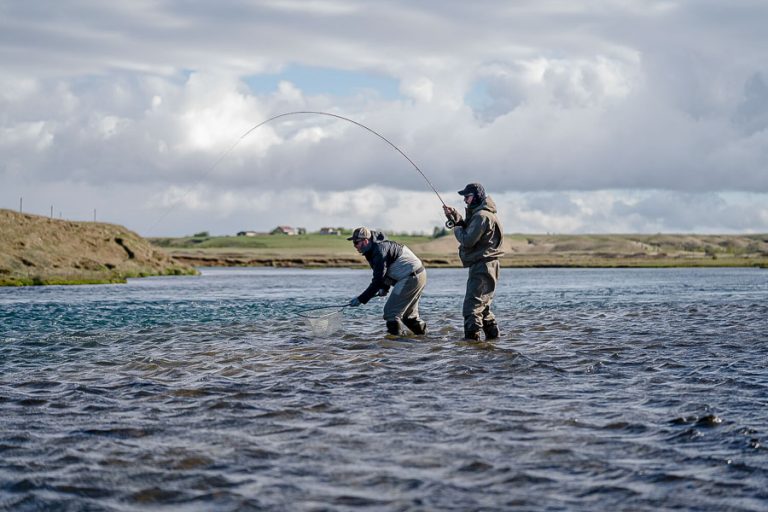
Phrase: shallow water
{"type": "Point", "coordinates": [608, 390]}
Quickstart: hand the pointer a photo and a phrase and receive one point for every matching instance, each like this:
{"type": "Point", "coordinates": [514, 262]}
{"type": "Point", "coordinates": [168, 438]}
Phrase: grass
{"type": "Point", "coordinates": [95, 278]}
{"type": "Point", "coordinates": [522, 251]}
{"type": "Point", "coordinates": [311, 241]}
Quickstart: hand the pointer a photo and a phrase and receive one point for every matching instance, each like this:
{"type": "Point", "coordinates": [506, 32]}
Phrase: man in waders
{"type": "Point", "coordinates": [393, 265]}
{"type": "Point", "coordinates": [480, 236]}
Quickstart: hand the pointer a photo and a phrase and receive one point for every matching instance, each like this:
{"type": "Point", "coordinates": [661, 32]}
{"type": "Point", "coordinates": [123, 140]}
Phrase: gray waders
{"type": "Point", "coordinates": [481, 286]}
{"type": "Point", "coordinates": [403, 305]}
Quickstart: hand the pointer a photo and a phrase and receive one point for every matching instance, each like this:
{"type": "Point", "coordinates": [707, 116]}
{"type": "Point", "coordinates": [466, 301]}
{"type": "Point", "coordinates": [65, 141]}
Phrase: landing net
{"type": "Point", "coordinates": [323, 321]}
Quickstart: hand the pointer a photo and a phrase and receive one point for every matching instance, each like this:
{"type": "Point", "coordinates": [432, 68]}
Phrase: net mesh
{"type": "Point", "coordinates": [323, 321]}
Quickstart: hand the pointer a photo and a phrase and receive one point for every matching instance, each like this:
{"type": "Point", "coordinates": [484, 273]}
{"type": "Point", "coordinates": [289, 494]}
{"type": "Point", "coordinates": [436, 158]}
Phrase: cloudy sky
{"type": "Point", "coordinates": [578, 116]}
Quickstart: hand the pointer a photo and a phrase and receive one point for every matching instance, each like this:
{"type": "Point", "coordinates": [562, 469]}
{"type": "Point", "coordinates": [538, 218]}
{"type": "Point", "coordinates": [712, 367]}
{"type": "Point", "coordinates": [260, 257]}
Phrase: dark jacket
{"type": "Point", "coordinates": [481, 236]}
{"type": "Point", "coordinates": [381, 253]}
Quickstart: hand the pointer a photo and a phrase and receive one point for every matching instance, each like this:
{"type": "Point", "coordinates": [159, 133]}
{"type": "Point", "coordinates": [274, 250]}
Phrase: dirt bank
{"type": "Point", "coordinates": [39, 250]}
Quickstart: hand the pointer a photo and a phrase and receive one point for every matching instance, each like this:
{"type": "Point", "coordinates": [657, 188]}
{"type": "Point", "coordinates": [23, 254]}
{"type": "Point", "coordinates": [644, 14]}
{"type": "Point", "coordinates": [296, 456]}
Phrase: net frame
{"type": "Point", "coordinates": [323, 320]}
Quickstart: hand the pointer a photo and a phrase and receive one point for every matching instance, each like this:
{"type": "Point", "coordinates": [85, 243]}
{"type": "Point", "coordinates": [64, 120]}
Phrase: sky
{"type": "Point", "coordinates": [578, 116]}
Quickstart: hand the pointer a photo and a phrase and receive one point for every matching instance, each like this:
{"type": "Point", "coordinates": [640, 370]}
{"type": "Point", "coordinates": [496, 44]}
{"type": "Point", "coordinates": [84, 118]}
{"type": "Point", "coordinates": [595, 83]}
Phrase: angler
{"type": "Point", "coordinates": [480, 236]}
{"type": "Point", "coordinates": [394, 265]}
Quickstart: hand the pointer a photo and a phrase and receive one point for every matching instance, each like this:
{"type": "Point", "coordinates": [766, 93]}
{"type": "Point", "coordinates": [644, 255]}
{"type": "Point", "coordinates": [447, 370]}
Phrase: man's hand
{"type": "Point", "coordinates": [354, 302]}
{"type": "Point", "coordinates": [383, 292]}
{"type": "Point", "coordinates": [453, 215]}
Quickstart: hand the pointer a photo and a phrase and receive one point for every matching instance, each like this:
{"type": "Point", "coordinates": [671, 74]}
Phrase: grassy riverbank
{"type": "Point", "coordinates": [595, 251]}
{"type": "Point", "coordinates": [36, 250]}
{"type": "Point", "coordinates": [39, 250]}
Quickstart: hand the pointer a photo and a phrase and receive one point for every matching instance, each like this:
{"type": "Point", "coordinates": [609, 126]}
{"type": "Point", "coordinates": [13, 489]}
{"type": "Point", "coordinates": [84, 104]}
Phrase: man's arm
{"type": "Point", "coordinates": [470, 234]}
{"type": "Point", "coordinates": [379, 267]}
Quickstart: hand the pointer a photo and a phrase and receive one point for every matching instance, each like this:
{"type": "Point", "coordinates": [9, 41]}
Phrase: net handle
{"type": "Point", "coordinates": [340, 307]}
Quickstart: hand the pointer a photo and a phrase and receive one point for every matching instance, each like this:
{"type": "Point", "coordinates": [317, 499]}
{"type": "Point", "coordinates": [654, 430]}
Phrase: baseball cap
{"type": "Point", "coordinates": [360, 233]}
{"type": "Point", "coordinates": [473, 188]}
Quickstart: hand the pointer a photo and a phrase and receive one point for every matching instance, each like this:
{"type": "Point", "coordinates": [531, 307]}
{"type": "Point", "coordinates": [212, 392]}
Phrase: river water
{"type": "Point", "coordinates": [608, 390]}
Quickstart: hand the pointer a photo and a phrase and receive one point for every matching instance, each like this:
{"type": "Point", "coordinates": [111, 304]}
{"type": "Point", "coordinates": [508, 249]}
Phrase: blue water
{"type": "Point", "coordinates": [608, 390]}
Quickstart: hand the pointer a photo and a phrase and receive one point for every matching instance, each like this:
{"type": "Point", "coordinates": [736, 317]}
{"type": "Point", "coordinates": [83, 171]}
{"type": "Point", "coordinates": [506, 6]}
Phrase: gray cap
{"type": "Point", "coordinates": [360, 233]}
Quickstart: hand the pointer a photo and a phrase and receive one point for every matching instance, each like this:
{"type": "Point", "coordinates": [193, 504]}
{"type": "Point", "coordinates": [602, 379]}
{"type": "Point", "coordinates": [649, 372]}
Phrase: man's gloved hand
{"type": "Point", "coordinates": [354, 302]}
{"type": "Point", "coordinates": [383, 292]}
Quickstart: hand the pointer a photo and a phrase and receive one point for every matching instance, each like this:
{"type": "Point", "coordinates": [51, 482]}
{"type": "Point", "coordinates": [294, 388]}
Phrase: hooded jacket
{"type": "Point", "coordinates": [381, 253]}
{"type": "Point", "coordinates": [481, 236]}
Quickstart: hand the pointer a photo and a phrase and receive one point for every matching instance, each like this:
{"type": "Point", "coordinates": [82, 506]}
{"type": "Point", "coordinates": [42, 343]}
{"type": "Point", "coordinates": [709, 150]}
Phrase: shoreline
{"type": "Point", "coordinates": [521, 251]}
{"type": "Point", "coordinates": [233, 259]}
{"type": "Point", "coordinates": [585, 262]}
{"type": "Point", "coordinates": [35, 250]}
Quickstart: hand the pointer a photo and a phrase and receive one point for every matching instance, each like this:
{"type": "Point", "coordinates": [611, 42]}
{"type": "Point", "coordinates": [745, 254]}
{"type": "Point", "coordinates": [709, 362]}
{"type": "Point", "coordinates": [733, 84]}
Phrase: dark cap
{"type": "Point", "coordinates": [360, 233]}
{"type": "Point", "coordinates": [473, 188]}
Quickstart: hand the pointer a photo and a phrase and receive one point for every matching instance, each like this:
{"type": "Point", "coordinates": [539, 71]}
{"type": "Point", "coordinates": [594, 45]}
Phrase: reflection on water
{"type": "Point", "coordinates": [608, 390]}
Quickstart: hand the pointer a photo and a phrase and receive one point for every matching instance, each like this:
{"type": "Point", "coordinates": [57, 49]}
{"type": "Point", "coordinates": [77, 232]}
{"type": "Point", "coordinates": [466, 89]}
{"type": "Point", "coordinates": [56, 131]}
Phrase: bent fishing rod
{"type": "Point", "coordinates": [449, 223]}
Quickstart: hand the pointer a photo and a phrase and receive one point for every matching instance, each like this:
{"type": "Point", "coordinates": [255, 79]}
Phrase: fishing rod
{"type": "Point", "coordinates": [449, 223]}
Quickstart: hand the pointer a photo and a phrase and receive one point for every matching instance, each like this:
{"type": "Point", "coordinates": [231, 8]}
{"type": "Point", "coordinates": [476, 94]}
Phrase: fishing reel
{"type": "Point", "coordinates": [453, 218]}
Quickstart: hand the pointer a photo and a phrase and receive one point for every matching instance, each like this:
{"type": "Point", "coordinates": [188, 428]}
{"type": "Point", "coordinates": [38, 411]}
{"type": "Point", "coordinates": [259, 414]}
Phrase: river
{"type": "Point", "coordinates": [620, 389]}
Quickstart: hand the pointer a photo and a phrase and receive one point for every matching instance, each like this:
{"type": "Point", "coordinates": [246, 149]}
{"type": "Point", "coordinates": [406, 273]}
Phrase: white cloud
{"type": "Point", "coordinates": [314, 6]}
{"type": "Point", "coordinates": [541, 101]}
{"type": "Point", "coordinates": [420, 89]}
{"type": "Point", "coordinates": [34, 135]}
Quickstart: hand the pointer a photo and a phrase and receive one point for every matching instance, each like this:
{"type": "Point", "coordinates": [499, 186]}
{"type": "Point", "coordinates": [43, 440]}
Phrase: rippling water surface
{"type": "Point", "coordinates": [608, 390]}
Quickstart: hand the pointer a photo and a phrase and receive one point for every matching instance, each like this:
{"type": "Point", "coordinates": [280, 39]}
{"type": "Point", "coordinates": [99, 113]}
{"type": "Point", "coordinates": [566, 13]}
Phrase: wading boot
{"type": "Point", "coordinates": [491, 330]}
{"type": "Point", "coordinates": [393, 328]}
{"type": "Point", "coordinates": [419, 327]}
{"type": "Point", "coordinates": [471, 334]}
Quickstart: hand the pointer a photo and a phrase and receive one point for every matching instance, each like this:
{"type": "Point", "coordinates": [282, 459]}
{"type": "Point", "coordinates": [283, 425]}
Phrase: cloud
{"type": "Point", "coordinates": [544, 99]}
{"type": "Point", "coordinates": [751, 115]}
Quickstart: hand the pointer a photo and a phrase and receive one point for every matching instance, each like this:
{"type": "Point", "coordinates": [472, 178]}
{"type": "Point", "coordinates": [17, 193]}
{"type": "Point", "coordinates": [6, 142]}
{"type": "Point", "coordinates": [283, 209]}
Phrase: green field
{"type": "Point", "coordinates": [313, 241]}
{"type": "Point", "coordinates": [521, 250]}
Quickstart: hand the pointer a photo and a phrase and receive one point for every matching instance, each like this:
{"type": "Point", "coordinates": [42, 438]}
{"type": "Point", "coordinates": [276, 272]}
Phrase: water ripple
{"type": "Point", "coordinates": [649, 397]}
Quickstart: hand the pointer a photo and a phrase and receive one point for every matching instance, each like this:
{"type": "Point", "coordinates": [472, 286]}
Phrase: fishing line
{"type": "Point", "coordinates": [223, 155]}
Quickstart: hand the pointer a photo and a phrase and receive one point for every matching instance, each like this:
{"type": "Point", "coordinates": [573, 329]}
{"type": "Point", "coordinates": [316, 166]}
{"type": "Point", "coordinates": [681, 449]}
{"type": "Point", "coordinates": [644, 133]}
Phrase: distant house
{"type": "Point", "coordinates": [247, 233]}
{"type": "Point", "coordinates": [283, 230]}
{"type": "Point", "coordinates": [330, 231]}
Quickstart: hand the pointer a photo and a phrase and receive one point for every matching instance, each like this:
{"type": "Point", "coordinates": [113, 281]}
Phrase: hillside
{"type": "Point", "coordinates": [314, 250]}
{"type": "Point", "coordinates": [39, 250]}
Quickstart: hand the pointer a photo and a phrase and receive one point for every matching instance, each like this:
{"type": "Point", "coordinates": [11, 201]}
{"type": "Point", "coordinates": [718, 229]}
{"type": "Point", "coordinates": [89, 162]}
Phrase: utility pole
{"type": "Point", "coordinates": [94, 215]}
{"type": "Point", "coordinates": [51, 211]}
{"type": "Point", "coordinates": [21, 201]}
